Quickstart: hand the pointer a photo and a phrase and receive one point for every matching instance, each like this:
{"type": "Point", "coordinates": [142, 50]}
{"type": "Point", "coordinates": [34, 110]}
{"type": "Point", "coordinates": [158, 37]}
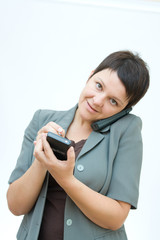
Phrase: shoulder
{"type": "Point", "coordinates": [129, 121]}
{"type": "Point", "coordinates": [43, 116]}
{"type": "Point", "coordinates": [126, 128]}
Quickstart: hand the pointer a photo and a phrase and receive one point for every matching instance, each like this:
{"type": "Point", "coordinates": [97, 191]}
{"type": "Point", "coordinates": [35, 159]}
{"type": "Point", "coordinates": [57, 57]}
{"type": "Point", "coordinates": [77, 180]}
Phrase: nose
{"type": "Point", "coordinates": [98, 100]}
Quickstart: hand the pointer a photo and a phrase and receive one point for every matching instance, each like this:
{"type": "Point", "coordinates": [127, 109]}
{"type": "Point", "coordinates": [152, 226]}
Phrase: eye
{"type": "Point", "coordinates": [98, 86]}
{"type": "Point", "coordinates": [113, 102]}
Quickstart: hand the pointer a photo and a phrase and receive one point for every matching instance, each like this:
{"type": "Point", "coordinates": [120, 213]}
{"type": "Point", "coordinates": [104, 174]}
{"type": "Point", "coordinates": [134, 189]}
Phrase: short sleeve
{"type": "Point", "coordinates": [124, 185]}
{"type": "Point", "coordinates": [24, 160]}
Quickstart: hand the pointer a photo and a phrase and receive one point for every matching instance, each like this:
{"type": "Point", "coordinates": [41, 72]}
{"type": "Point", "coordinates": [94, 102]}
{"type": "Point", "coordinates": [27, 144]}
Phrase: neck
{"type": "Point", "coordinates": [79, 129]}
{"type": "Point", "coordinates": [82, 123]}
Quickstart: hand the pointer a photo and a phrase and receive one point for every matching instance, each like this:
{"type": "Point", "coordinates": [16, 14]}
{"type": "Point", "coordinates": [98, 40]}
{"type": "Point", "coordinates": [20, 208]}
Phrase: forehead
{"type": "Point", "coordinates": [108, 77]}
{"type": "Point", "coordinates": [106, 72]}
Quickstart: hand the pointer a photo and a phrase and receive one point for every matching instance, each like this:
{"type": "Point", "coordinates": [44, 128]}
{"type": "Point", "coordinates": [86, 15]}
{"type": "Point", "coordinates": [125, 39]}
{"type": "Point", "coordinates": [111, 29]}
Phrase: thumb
{"type": "Point", "coordinates": [71, 155]}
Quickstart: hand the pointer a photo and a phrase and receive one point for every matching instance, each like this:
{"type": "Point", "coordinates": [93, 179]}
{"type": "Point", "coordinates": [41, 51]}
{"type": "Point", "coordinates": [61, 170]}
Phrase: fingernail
{"type": "Point", "coordinates": [60, 130]}
{"type": "Point", "coordinates": [71, 149]}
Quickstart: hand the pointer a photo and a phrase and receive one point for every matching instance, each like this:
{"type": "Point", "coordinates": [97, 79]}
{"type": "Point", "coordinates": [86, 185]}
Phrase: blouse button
{"type": "Point", "coordinates": [80, 167]}
{"type": "Point", "coordinates": [69, 222]}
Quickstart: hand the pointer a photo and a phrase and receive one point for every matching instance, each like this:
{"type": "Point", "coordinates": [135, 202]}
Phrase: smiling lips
{"type": "Point", "coordinates": [91, 108]}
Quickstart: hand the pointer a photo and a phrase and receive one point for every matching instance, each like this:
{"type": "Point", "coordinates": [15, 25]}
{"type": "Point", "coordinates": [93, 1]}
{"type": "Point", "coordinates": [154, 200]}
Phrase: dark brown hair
{"type": "Point", "coordinates": [131, 70]}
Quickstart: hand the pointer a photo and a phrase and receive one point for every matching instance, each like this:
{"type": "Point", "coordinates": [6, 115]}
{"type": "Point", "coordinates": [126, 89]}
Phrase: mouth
{"type": "Point", "coordinates": [91, 108]}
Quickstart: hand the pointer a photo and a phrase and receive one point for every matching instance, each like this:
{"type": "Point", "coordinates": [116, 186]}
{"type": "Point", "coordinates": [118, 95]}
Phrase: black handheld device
{"type": "Point", "coordinates": [59, 145]}
{"type": "Point", "coordinates": [100, 124]}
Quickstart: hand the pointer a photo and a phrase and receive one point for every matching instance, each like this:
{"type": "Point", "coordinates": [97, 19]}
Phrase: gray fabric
{"type": "Point", "coordinates": [114, 155]}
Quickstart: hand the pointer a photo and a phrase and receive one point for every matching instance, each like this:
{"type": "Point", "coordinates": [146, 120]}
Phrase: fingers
{"type": "Point", "coordinates": [38, 150]}
{"type": "Point", "coordinates": [52, 127]}
{"type": "Point", "coordinates": [71, 155]}
{"type": "Point", "coordinates": [46, 148]}
{"type": "Point", "coordinates": [43, 152]}
{"type": "Point", "coordinates": [62, 171]}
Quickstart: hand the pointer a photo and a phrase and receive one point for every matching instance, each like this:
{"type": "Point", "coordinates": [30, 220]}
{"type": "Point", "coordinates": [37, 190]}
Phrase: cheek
{"type": "Point", "coordinates": [109, 110]}
{"type": "Point", "coordinates": [87, 92]}
{"type": "Point", "coordinates": [83, 94]}
{"type": "Point", "coordinates": [81, 97]}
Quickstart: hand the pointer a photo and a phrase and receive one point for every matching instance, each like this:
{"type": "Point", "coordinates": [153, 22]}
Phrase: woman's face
{"type": "Point", "coordinates": [103, 96]}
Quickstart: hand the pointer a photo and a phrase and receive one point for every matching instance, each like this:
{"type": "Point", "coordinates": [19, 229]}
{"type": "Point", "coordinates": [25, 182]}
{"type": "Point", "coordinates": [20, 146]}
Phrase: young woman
{"type": "Point", "coordinates": [89, 195]}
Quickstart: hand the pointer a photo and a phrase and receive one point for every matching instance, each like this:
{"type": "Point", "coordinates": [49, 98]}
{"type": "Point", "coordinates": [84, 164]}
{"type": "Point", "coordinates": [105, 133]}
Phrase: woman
{"type": "Point", "coordinates": [89, 195]}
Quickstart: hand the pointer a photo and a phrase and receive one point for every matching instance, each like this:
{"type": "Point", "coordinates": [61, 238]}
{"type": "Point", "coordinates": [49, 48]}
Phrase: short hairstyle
{"type": "Point", "coordinates": [131, 70]}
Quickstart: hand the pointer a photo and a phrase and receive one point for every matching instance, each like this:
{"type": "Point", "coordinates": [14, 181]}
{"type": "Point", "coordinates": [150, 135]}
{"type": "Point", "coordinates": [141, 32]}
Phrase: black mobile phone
{"type": "Point", "coordinates": [97, 126]}
{"type": "Point", "coordinates": [59, 145]}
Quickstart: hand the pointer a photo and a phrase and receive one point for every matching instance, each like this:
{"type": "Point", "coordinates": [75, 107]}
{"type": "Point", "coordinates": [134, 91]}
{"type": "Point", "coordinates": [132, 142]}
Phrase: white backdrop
{"type": "Point", "coordinates": [47, 51]}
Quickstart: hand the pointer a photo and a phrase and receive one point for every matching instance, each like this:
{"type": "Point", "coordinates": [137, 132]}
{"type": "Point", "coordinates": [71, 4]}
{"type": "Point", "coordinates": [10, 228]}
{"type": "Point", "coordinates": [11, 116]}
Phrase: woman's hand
{"type": "Point", "coordinates": [50, 127]}
{"type": "Point", "coordinates": [62, 171]}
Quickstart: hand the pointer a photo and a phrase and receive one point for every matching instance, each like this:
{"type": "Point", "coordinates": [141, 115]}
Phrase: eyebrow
{"type": "Point", "coordinates": [117, 99]}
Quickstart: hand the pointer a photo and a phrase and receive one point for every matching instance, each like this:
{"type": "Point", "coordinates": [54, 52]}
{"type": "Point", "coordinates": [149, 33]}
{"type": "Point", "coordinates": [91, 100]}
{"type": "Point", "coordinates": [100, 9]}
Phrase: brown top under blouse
{"type": "Point", "coordinates": [53, 216]}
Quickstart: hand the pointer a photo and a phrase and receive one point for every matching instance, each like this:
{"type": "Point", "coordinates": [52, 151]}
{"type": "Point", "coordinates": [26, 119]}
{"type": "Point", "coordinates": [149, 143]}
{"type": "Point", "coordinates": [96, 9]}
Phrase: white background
{"type": "Point", "coordinates": [47, 50]}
